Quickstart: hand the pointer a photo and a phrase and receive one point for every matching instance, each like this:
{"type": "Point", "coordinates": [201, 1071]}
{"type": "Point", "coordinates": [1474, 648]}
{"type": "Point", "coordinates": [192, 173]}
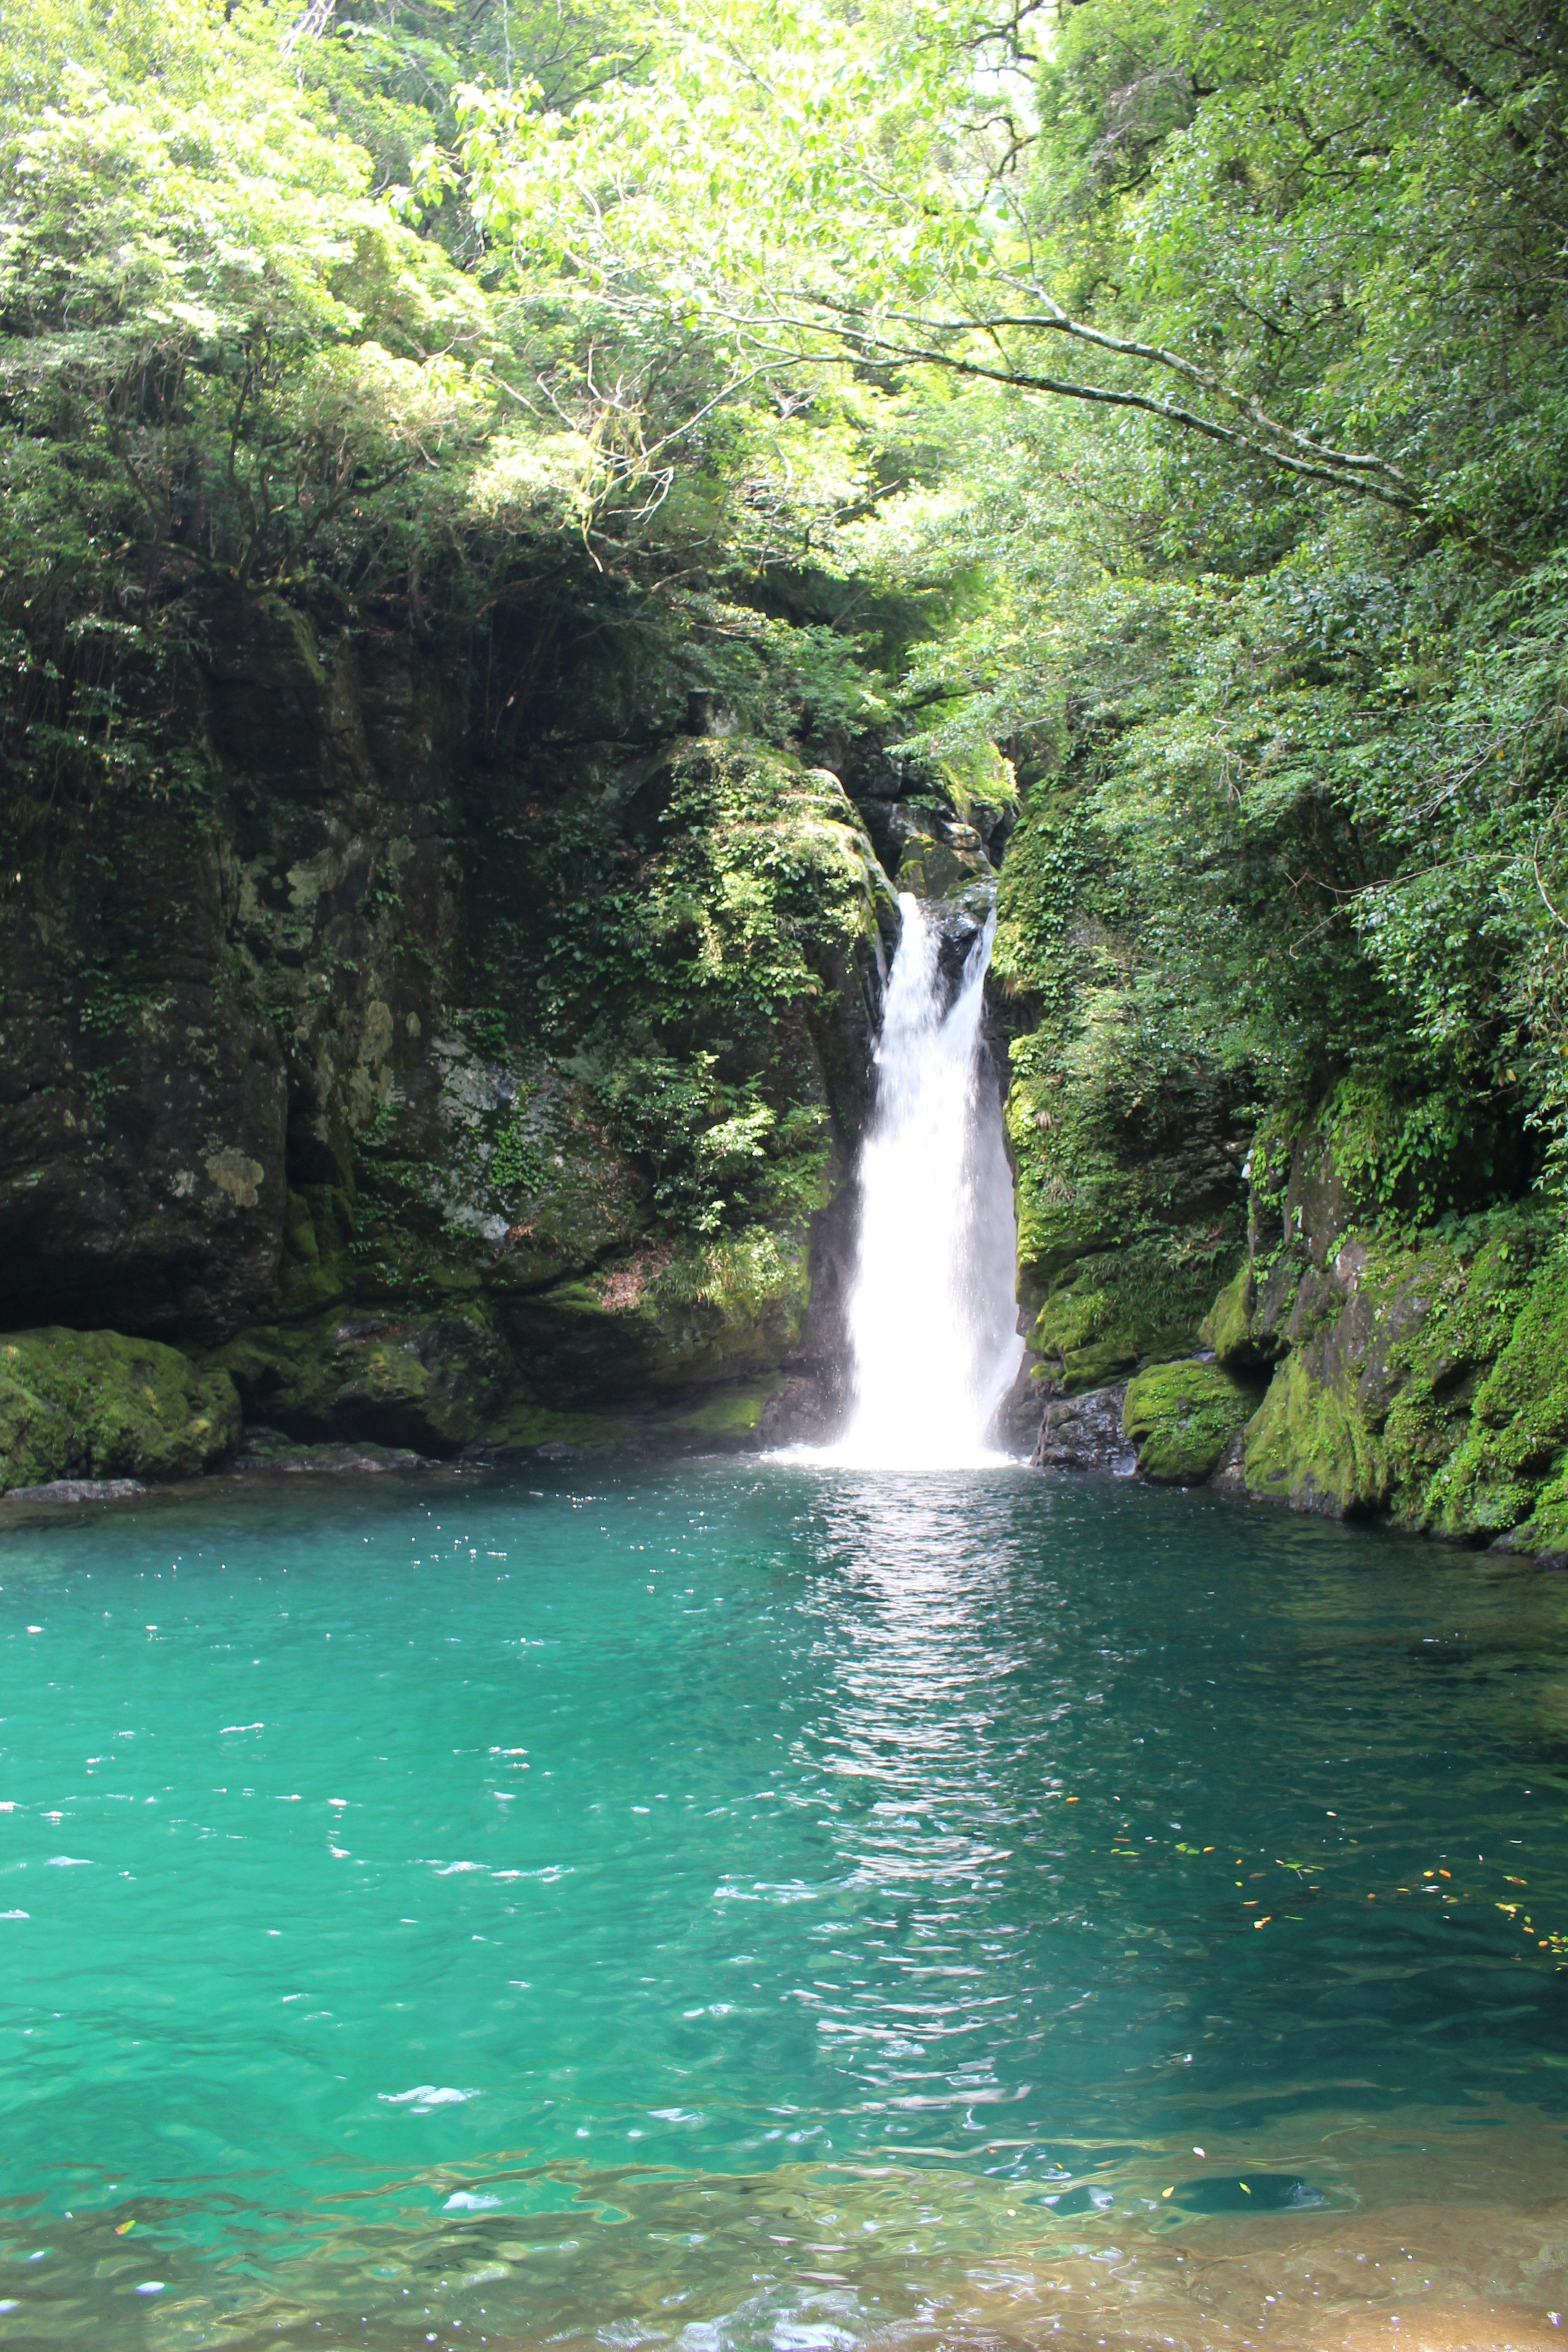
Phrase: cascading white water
{"type": "Point", "coordinates": [932, 1313]}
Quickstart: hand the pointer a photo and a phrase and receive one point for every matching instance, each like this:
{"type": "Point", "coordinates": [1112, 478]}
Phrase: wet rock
{"type": "Point", "coordinates": [125, 1196]}
{"type": "Point", "coordinates": [430, 1383]}
{"type": "Point", "coordinates": [1228, 1476]}
{"type": "Point", "coordinates": [76, 1490]}
{"type": "Point", "coordinates": [1422, 1380]}
{"type": "Point", "coordinates": [1276, 1285]}
{"type": "Point", "coordinates": [274, 1450]}
{"type": "Point", "coordinates": [1085, 1433]}
{"type": "Point", "coordinates": [1021, 1413]}
{"type": "Point", "coordinates": [263, 1076]}
{"type": "Point", "coordinates": [806, 1411]}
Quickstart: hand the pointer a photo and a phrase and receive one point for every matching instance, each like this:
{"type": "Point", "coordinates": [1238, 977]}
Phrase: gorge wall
{"type": "Point", "coordinates": [468, 1058]}
{"type": "Point", "coordinates": [411, 1080]}
{"type": "Point", "coordinates": [1262, 1298]}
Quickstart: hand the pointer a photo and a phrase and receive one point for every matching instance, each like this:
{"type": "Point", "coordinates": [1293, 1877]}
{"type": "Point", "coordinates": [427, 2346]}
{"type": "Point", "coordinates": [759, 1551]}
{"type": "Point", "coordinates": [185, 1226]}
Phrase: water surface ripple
{"type": "Point", "coordinates": [771, 1903]}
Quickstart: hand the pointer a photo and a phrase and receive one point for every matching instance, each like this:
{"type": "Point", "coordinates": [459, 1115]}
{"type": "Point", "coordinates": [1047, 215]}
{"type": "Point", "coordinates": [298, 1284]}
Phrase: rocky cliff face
{"type": "Point", "coordinates": [1345, 1371]}
{"type": "Point", "coordinates": [448, 1057]}
{"type": "Point", "coordinates": [1422, 1382]}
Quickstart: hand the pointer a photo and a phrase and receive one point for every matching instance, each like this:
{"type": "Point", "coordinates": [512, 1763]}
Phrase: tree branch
{"type": "Point", "coordinates": [1053, 320]}
{"type": "Point", "coordinates": [862, 347]}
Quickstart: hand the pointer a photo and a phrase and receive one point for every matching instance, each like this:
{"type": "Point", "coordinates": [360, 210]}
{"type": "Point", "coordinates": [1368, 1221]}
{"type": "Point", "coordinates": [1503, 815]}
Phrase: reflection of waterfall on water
{"type": "Point", "coordinates": [932, 1313]}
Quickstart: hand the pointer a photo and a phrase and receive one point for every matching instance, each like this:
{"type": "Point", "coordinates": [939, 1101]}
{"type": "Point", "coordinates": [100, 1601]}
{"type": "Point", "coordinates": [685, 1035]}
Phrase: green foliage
{"type": "Point", "coordinates": [677, 950]}
{"type": "Point", "coordinates": [1187, 445]}
{"type": "Point", "coordinates": [717, 1155]}
{"type": "Point", "coordinates": [517, 1168]}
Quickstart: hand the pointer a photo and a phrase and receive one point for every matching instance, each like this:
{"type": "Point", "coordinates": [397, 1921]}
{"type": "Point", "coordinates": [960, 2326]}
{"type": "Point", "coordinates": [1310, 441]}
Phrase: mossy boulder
{"type": "Point", "coordinates": [670, 1316]}
{"type": "Point", "coordinates": [1425, 1381]}
{"type": "Point", "coordinates": [1509, 1470]}
{"type": "Point", "coordinates": [1182, 1417]}
{"type": "Point", "coordinates": [96, 1405]}
{"type": "Point", "coordinates": [1227, 1326]}
{"type": "Point", "coordinates": [1083, 1336]}
{"type": "Point", "coordinates": [1116, 1309]}
{"type": "Point", "coordinates": [432, 1381]}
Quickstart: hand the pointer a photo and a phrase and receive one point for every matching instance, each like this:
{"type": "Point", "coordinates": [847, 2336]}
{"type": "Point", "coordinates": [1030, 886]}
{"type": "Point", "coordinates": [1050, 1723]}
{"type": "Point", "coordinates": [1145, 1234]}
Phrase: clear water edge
{"type": "Point", "coordinates": [833, 1920]}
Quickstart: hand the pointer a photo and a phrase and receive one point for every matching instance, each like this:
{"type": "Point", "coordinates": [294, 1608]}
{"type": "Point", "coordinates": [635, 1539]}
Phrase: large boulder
{"type": "Point", "coordinates": [1182, 1418]}
{"type": "Point", "coordinates": [98, 1405]}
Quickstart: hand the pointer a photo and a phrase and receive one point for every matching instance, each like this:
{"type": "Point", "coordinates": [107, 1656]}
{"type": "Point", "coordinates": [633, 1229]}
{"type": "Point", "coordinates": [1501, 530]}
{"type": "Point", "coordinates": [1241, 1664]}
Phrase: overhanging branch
{"type": "Point", "coordinates": [862, 347]}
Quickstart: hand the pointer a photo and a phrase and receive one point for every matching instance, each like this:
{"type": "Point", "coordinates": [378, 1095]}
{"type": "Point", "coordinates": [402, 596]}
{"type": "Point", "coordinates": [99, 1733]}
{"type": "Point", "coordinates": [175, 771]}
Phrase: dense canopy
{"type": "Point", "coordinates": [1159, 406]}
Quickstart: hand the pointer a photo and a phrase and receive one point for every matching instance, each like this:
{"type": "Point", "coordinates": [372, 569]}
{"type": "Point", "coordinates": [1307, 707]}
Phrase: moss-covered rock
{"type": "Point", "coordinates": [405, 1029]}
{"type": "Point", "coordinates": [1115, 1309]}
{"type": "Point", "coordinates": [1227, 1326]}
{"type": "Point", "coordinates": [1510, 1469]}
{"type": "Point", "coordinates": [96, 1405]}
{"type": "Point", "coordinates": [433, 1382]}
{"type": "Point", "coordinates": [1082, 1337]}
{"type": "Point", "coordinates": [1420, 1379]}
{"type": "Point", "coordinates": [669, 1315]}
{"type": "Point", "coordinates": [1182, 1417]}
{"type": "Point", "coordinates": [1309, 1446]}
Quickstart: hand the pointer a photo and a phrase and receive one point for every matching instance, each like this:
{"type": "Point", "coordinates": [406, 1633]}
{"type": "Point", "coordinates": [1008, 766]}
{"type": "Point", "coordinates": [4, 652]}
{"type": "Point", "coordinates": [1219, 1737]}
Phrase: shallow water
{"type": "Point", "coordinates": [766, 1904]}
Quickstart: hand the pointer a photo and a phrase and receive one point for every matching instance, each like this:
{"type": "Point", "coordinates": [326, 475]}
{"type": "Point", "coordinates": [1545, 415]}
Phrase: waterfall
{"type": "Point", "coordinates": [931, 1310]}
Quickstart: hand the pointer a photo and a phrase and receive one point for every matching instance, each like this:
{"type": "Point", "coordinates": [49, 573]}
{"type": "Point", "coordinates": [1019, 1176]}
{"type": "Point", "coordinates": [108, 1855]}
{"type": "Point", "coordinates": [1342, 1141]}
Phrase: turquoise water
{"type": "Point", "coordinates": [450, 1910]}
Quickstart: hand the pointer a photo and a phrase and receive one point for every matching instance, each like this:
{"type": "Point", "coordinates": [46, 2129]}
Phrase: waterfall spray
{"type": "Point", "coordinates": [931, 1311]}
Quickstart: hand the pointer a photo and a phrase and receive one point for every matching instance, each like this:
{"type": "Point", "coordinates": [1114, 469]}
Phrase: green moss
{"type": "Point", "coordinates": [733, 1413]}
{"type": "Point", "coordinates": [317, 1268]}
{"type": "Point", "coordinates": [1119, 1309]}
{"type": "Point", "coordinates": [1509, 1467]}
{"type": "Point", "coordinates": [1426, 1381]}
{"type": "Point", "coordinates": [730, 1416]}
{"type": "Point", "coordinates": [1309, 1446]}
{"type": "Point", "coordinates": [1084, 1339]}
{"type": "Point", "coordinates": [532, 1425]}
{"type": "Point", "coordinates": [429, 1381]}
{"type": "Point", "coordinates": [1227, 1326]}
{"type": "Point", "coordinates": [1182, 1417]}
{"type": "Point", "coordinates": [96, 1405]}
